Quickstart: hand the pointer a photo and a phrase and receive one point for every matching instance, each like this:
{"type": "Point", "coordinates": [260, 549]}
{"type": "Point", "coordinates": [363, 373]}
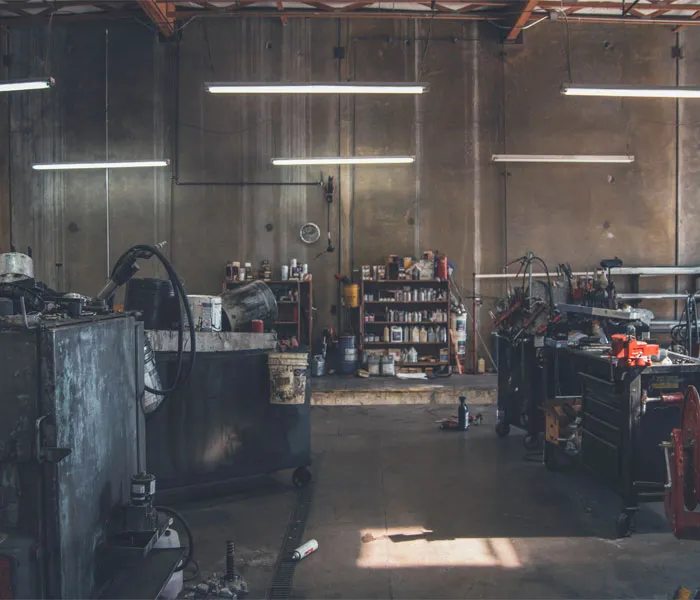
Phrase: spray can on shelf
{"type": "Point", "coordinates": [304, 550]}
{"type": "Point", "coordinates": [463, 414]}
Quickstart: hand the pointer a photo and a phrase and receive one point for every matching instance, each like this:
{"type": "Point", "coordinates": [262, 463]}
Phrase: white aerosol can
{"type": "Point", "coordinates": [304, 550]}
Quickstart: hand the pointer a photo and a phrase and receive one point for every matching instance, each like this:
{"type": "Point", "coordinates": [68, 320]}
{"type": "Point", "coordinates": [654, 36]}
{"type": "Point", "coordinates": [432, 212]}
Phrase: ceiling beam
{"type": "Point", "coordinates": [522, 20]}
{"type": "Point", "coordinates": [157, 11]}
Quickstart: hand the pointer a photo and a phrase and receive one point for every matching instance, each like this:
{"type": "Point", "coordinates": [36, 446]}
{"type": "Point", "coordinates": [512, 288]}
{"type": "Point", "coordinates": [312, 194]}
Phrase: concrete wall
{"type": "Point", "coordinates": [484, 98]}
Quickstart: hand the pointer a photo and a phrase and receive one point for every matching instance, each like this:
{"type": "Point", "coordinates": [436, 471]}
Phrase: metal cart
{"type": "Point", "coordinates": [623, 424]}
{"type": "Point", "coordinates": [221, 425]}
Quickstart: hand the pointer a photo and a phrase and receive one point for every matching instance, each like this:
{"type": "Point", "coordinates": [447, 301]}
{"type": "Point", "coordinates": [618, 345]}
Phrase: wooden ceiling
{"type": "Point", "coordinates": [516, 15]}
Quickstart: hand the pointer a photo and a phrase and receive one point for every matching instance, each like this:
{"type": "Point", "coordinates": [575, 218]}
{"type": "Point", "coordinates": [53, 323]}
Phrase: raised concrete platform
{"type": "Point", "coordinates": [344, 390]}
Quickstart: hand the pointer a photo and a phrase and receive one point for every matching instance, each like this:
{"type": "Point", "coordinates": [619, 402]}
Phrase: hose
{"type": "Point", "coordinates": [147, 251]}
{"type": "Point", "coordinates": [185, 525]}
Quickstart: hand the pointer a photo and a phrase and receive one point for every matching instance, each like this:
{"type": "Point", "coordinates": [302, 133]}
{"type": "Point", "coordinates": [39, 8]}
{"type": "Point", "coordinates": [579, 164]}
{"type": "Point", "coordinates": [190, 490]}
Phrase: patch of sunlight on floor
{"type": "Point", "coordinates": [419, 547]}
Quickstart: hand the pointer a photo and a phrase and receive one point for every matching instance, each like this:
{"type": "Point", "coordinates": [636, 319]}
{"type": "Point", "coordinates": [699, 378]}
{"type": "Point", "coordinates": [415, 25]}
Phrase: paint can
{"type": "Point", "coordinates": [284, 273]}
{"type": "Point", "coordinates": [287, 377]}
{"type": "Point", "coordinates": [257, 326]}
{"type": "Point", "coordinates": [206, 312]}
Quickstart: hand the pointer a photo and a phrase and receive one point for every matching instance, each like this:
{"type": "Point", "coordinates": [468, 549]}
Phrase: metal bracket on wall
{"type": "Point", "coordinates": [676, 52]}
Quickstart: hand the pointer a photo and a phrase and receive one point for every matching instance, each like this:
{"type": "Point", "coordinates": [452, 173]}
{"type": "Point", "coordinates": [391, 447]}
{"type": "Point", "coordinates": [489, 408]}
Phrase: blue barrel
{"type": "Point", "coordinates": [346, 342]}
{"type": "Point", "coordinates": [348, 361]}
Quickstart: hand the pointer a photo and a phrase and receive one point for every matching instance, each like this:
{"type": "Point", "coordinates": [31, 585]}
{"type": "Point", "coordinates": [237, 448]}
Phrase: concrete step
{"type": "Point", "coordinates": [347, 391]}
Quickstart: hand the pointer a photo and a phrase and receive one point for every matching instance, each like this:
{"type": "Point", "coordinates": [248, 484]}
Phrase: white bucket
{"type": "Point", "coordinates": [206, 312]}
{"type": "Point", "coordinates": [288, 372]}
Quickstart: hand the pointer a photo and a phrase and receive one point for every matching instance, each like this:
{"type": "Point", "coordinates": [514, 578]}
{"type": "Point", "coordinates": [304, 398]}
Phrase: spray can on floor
{"type": "Point", "coordinates": [463, 414]}
{"type": "Point", "coordinates": [304, 550]}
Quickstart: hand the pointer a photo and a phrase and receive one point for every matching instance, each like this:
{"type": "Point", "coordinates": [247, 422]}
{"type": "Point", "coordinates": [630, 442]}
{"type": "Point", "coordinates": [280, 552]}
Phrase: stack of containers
{"type": "Point", "coordinates": [459, 326]}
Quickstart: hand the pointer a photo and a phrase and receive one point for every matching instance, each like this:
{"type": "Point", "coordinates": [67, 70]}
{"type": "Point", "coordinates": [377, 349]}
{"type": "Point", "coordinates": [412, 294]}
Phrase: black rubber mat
{"type": "Point", "coordinates": [281, 584]}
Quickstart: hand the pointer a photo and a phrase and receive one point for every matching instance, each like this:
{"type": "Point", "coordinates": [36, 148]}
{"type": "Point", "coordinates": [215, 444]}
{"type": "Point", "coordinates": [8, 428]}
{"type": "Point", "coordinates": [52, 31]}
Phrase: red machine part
{"type": "Point", "coordinates": [6, 592]}
{"type": "Point", "coordinates": [683, 463]}
{"type": "Point", "coordinates": [632, 352]}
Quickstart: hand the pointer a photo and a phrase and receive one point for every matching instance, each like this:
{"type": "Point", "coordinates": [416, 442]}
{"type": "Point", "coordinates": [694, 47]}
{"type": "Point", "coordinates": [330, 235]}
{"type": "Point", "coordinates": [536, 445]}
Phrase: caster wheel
{"type": "Point", "coordinates": [301, 477]}
{"type": "Point", "coordinates": [623, 526]}
{"type": "Point", "coordinates": [502, 429]}
{"type": "Point", "coordinates": [532, 442]}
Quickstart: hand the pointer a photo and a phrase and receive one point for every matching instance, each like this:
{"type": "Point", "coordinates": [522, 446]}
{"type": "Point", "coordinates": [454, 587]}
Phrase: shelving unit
{"type": "Point", "coordinates": [294, 318]}
{"type": "Point", "coordinates": [383, 302]}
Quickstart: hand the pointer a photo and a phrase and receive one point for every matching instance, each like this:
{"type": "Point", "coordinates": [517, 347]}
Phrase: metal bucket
{"type": "Point", "coordinates": [247, 303]}
{"type": "Point", "coordinates": [15, 266]}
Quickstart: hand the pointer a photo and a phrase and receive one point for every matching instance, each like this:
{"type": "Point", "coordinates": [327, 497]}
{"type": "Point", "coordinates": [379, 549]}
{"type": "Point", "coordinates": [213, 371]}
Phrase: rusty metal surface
{"type": "Point", "coordinates": [222, 426]}
{"type": "Point", "coordinates": [81, 378]}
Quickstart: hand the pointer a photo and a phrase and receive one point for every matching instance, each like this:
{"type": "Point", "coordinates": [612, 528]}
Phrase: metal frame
{"type": "Point", "coordinates": [516, 17]}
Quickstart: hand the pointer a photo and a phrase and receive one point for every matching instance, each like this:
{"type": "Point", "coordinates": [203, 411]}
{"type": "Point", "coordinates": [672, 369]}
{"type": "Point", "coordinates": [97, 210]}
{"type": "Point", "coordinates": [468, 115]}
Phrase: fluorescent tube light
{"type": "Point", "coordinates": [101, 165]}
{"type": "Point", "coordinates": [562, 158]}
{"type": "Point", "coordinates": [26, 84]}
{"type": "Point", "coordinates": [315, 88]}
{"type": "Point", "coordinates": [631, 91]}
{"type": "Point", "coordinates": [349, 160]}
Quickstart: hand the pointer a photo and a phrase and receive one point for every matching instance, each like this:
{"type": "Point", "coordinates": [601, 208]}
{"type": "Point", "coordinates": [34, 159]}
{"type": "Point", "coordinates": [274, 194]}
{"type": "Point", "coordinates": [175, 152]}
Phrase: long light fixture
{"type": "Point", "coordinates": [347, 160]}
{"type": "Point", "coordinates": [21, 85]}
{"type": "Point", "coordinates": [316, 88]}
{"type": "Point", "coordinates": [562, 158]}
{"type": "Point", "coordinates": [630, 91]}
{"type": "Point", "coordinates": [135, 164]}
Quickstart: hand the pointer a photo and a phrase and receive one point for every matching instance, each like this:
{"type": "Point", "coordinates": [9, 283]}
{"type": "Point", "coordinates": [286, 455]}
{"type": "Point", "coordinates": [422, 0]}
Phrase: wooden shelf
{"type": "Point", "coordinates": [421, 364]}
{"type": "Point", "coordinates": [288, 281]}
{"type": "Point", "coordinates": [405, 281]}
{"type": "Point", "coordinates": [393, 302]}
{"type": "Point", "coordinates": [406, 323]}
{"type": "Point", "coordinates": [405, 343]}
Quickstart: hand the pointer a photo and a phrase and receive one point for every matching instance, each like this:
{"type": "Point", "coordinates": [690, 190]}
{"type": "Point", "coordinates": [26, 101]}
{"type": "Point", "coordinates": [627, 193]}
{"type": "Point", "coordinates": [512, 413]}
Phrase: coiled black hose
{"type": "Point", "coordinates": [147, 251]}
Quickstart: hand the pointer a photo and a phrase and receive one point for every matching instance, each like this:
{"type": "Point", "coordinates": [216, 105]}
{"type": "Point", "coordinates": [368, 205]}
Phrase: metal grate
{"type": "Point", "coordinates": [281, 584]}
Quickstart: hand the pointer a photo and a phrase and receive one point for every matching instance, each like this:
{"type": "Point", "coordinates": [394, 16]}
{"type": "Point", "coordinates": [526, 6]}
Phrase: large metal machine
{"type": "Point", "coordinates": [581, 375]}
{"type": "Point", "coordinates": [77, 518]}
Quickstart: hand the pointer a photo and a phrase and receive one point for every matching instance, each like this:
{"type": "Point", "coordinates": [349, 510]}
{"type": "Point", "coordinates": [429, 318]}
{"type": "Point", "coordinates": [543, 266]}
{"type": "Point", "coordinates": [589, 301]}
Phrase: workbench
{"type": "Point", "coordinates": [620, 432]}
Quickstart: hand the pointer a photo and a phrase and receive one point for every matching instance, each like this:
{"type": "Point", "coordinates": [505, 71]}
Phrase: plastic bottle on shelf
{"type": "Point", "coordinates": [415, 334]}
{"type": "Point", "coordinates": [415, 294]}
{"type": "Point", "coordinates": [387, 334]}
{"type": "Point", "coordinates": [406, 333]}
{"type": "Point", "coordinates": [431, 334]}
{"type": "Point", "coordinates": [412, 355]}
{"type": "Point", "coordinates": [423, 335]}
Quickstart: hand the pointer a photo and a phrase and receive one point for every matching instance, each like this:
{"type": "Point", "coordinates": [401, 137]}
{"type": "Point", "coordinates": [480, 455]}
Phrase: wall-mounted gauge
{"type": "Point", "coordinates": [310, 233]}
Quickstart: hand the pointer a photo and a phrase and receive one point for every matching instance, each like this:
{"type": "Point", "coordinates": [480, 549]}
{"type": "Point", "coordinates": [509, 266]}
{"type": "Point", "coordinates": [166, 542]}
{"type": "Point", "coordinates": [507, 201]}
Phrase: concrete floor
{"type": "Point", "coordinates": [404, 510]}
